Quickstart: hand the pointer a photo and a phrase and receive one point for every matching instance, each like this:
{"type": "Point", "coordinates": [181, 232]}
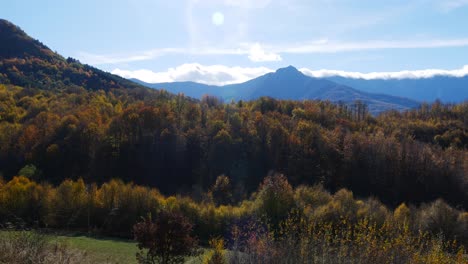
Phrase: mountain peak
{"type": "Point", "coordinates": [4, 22]}
{"type": "Point", "coordinates": [289, 72]}
{"type": "Point", "coordinates": [9, 31]}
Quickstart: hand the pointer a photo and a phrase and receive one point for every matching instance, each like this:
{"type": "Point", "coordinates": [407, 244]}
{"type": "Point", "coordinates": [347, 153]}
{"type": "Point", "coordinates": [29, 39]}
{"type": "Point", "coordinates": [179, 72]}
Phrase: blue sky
{"type": "Point", "coordinates": [226, 41]}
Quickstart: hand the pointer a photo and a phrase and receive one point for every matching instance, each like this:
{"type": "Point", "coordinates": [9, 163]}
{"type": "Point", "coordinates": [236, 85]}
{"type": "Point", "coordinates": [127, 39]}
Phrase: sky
{"type": "Point", "coordinates": [231, 41]}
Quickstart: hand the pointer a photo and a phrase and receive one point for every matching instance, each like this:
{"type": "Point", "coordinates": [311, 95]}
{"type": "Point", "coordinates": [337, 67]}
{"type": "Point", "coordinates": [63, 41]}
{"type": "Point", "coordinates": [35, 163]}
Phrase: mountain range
{"type": "Point", "coordinates": [289, 83]}
{"type": "Point", "coordinates": [448, 89]}
{"type": "Point", "coordinates": [27, 62]}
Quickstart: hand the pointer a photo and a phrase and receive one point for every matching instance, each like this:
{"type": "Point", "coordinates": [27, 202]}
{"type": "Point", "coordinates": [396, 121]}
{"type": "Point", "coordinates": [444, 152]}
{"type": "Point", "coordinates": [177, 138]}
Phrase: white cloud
{"type": "Point", "coordinates": [96, 59]}
{"type": "Point", "coordinates": [418, 74]}
{"type": "Point", "coordinates": [213, 74]}
{"type": "Point", "coordinates": [251, 4]}
{"type": "Point", "coordinates": [258, 54]}
{"type": "Point", "coordinates": [449, 5]}
{"type": "Point", "coordinates": [255, 52]}
{"type": "Point", "coordinates": [330, 47]}
{"type": "Point", "coordinates": [222, 75]}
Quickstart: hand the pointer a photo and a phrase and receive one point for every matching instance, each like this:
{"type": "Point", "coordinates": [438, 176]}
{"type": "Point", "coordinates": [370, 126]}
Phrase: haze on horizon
{"type": "Point", "coordinates": [227, 41]}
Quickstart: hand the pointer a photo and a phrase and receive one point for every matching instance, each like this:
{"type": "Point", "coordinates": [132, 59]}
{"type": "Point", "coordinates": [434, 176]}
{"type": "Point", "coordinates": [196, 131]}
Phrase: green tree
{"type": "Point", "coordinates": [222, 190]}
{"type": "Point", "coordinates": [275, 199]}
{"type": "Point", "coordinates": [29, 171]}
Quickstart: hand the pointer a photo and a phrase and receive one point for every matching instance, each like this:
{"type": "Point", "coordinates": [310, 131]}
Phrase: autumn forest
{"type": "Point", "coordinates": [260, 181]}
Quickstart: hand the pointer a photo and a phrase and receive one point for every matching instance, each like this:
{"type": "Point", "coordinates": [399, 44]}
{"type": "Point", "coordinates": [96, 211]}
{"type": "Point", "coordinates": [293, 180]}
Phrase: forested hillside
{"type": "Point", "coordinates": [177, 145]}
{"type": "Point", "coordinates": [27, 62]}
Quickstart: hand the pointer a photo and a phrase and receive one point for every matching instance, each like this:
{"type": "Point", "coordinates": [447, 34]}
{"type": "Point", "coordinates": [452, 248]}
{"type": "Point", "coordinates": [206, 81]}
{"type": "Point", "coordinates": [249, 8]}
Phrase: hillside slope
{"type": "Point", "coordinates": [27, 62]}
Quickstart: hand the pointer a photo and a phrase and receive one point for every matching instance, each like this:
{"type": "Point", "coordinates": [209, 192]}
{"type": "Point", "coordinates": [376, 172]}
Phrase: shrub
{"type": "Point", "coordinates": [342, 206]}
{"type": "Point", "coordinates": [374, 211]}
{"type": "Point", "coordinates": [216, 256]}
{"type": "Point", "coordinates": [275, 199]}
{"type": "Point", "coordinates": [29, 171]}
{"type": "Point", "coordinates": [221, 190]}
{"type": "Point", "coordinates": [166, 240]}
{"type": "Point", "coordinates": [439, 218]}
{"type": "Point", "coordinates": [311, 196]}
{"type": "Point", "coordinates": [402, 214]}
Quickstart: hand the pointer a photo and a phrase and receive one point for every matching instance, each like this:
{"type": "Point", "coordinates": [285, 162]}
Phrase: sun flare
{"type": "Point", "coordinates": [217, 18]}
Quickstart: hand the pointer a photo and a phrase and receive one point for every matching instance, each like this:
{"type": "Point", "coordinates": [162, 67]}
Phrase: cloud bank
{"type": "Point", "coordinates": [327, 46]}
{"type": "Point", "coordinates": [213, 74]}
{"type": "Point", "coordinates": [223, 75]}
{"type": "Point", "coordinates": [418, 74]}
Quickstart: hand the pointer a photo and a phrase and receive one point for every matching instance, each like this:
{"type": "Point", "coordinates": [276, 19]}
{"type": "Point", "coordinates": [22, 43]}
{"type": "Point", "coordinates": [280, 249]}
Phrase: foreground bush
{"type": "Point", "coordinates": [278, 222]}
{"type": "Point", "coordinates": [167, 240]}
{"type": "Point", "coordinates": [217, 255]}
{"type": "Point", "coordinates": [303, 241]}
{"type": "Point", "coordinates": [22, 247]}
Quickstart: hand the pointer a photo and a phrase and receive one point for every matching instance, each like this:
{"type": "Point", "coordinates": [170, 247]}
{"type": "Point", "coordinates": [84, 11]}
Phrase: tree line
{"type": "Point", "coordinates": [180, 145]}
{"type": "Point", "coordinates": [277, 222]}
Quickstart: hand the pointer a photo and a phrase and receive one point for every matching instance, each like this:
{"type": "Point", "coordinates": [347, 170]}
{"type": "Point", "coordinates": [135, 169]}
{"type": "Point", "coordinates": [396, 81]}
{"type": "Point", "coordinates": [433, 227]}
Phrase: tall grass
{"type": "Point", "coordinates": [26, 247]}
{"type": "Point", "coordinates": [301, 241]}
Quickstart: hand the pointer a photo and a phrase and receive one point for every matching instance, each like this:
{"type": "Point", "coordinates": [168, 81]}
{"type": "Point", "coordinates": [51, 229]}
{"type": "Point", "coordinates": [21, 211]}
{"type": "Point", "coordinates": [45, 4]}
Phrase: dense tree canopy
{"type": "Point", "coordinates": [180, 145]}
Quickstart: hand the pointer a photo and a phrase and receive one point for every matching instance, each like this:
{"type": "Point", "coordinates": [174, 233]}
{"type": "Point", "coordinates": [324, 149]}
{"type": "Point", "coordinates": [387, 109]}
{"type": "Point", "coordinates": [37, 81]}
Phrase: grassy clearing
{"type": "Point", "coordinates": [110, 250]}
{"type": "Point", "coordinates": [101, 250]}
{"type": "Point", "coordinates": [96, 250]}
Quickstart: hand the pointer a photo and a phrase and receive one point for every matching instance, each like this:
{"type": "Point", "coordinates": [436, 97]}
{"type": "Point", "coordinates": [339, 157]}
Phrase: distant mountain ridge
{"type": "Point", "coordinates": [27, 62]}
{"type": "Point", "coordinates": [289, 83]}
{"type": "Point", "coordinates": [448, 89]}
